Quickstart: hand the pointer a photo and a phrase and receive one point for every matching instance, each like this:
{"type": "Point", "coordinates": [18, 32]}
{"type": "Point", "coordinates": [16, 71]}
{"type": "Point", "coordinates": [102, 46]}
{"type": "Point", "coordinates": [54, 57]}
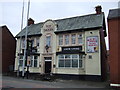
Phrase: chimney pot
{"type": "Point", "coordinates": [98, 9]}
{"type": "Point", "coordinates": [30, 21]}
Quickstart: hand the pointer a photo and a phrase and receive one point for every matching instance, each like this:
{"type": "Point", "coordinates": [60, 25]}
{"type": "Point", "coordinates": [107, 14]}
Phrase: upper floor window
{"type": "Point", "coordinates": [66, 39]}
{"type": "Point", "coordinates": [48, 40]}
{"type": "Point", "coordinates": [70, 39]}
{"type": "Point", "coordinates": [37, 41]}
{"type": "Point", "coordinates": [80, 39]}
{"type": "Point", "coordinates": [23, 43]}
{"type": "Point", "coordinates": [60, 39]}
{"type": "Point", "coordinates": [32, 42]}
{"type": "Point", "coordinates": [73, 39]}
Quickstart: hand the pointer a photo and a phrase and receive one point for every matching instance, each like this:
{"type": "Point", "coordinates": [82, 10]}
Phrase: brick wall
{"type": "Point", "coordinates": [8, 49]}
{"type": "Point", "coordinates": [114, 40]}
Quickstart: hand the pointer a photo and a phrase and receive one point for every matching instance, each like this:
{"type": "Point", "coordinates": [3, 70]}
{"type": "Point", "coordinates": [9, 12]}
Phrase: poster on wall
{"type": "Point", "coordinates": [92, 44]}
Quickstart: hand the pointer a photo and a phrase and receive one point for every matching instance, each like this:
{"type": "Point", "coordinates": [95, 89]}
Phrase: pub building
{"type": "Point", "coordinates": [71, 48]}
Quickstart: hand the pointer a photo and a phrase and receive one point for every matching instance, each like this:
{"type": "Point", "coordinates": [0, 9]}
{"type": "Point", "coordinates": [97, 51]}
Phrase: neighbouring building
{"type": "Point", "coordinates": [7, 49]}
{"type": "Point", "coordinates": [71, 47]}
{"type": "Point", "coordinates": [114, 42]}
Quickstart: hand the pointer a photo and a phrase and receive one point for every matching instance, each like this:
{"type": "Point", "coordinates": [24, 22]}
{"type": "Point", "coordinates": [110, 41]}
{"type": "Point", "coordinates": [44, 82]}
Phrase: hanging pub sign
{"type": "Point", "coordinates": [92, 44]}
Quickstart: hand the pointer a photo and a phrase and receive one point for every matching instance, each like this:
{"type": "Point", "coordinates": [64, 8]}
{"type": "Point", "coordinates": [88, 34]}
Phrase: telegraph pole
{"type": "Point", "coordinates": [23, 68]}
{"type": "Point", "coordinates": [20, 38]}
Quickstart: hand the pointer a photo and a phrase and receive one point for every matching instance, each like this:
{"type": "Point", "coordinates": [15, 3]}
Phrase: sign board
{"type": "Point", "coordinates": [92, 44]}
{"type": "Point", "coordinates": [76, 49]}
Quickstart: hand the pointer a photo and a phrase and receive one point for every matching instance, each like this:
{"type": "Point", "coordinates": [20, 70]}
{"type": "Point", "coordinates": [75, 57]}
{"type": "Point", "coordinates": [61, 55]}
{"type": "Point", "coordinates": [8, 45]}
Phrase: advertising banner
{"type": "Point", "coordinates": [92, 44]}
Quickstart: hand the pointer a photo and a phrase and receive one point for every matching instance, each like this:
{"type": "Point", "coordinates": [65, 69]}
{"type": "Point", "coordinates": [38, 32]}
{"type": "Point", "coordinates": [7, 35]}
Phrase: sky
{"type": "Point", "coordinates": [40, 11]}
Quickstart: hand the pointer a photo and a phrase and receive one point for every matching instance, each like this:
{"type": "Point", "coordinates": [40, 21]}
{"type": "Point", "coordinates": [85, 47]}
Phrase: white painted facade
{"type": "Point", "coordinates": [90, 66]}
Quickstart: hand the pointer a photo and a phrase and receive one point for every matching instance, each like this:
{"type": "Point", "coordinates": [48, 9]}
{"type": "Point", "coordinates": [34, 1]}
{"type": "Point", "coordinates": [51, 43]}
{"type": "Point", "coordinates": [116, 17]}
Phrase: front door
{"type": "Point", "coordinates": [48, 64]}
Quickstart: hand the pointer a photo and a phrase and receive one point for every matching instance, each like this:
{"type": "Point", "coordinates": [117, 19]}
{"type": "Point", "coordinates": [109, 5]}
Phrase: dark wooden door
{"type": "Point", "coordinates": [47, 66]}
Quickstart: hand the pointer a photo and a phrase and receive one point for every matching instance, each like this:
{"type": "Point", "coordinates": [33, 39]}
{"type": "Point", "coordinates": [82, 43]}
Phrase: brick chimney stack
{"type": "Point", "coordinates": [30, 21]}
{"type": "Point", "coordinates": [98, 9]}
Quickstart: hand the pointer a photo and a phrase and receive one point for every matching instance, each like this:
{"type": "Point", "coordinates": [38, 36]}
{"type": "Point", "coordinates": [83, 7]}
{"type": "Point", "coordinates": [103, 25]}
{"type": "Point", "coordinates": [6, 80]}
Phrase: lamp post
{"type": "Point", "coordinates": [23, 68]}
{"type": "Point", "coordinates": [20, 39]}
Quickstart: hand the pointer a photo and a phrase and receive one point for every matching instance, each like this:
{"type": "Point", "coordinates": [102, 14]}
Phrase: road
{"type": "Point", "coordinates": [11, 82]}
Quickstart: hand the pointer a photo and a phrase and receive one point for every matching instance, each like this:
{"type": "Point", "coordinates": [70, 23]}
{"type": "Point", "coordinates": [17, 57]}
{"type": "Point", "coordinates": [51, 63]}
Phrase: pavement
{"type": "Point", "coordinates": [14, 82]}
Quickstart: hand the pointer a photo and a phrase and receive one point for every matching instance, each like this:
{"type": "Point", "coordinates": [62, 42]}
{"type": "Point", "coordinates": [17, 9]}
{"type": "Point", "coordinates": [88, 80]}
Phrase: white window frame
{"type": "Point", "coordinates": [21, 59]}
{"type": "Point", "coordinates": [49, 43]}
{"type": "Point", "coordinates": [80, 38]}
{"type": "Point", "coordinates": [37, 41]}
{"type": "Point", "coordinates": [33, 59]}
{"type": "Point", "coordinates": [73, 38]}
{"type": "Point", "coordinates": [23, 43]}
{"type": "Point", "coordinates": [67, 41]}
{"type": "Point", "coordinates": [60, 41]}
{"type": "Point", "coordinates": [78, 59]}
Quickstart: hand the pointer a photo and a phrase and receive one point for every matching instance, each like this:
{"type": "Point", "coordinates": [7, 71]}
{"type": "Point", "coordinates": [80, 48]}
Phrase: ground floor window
{"type": "Point", "coordinates": [21, 61]}
{"type": "Point", "coordinates": [33, 61]}
{"type": "Point", "coordinates": [68, 60]}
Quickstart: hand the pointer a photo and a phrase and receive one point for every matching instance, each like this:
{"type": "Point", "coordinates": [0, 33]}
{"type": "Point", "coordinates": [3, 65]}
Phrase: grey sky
{"type": "Point", "coordinates": [41, 11]}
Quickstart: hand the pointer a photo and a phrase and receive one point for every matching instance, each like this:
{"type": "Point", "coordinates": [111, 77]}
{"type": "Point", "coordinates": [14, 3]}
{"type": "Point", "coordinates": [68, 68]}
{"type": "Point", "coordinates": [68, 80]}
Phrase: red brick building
{"type": "Point", "coordinates": [7, 49]}
{"type": "Point", "coordinates": [114, 35]}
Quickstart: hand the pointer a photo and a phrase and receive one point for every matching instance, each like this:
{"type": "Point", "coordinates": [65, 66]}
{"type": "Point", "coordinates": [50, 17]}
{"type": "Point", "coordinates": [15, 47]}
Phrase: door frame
{"type": "Point", "coordinates": [47, 60]}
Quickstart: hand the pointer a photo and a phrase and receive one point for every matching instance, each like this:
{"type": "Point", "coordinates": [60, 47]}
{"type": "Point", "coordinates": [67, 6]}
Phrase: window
{"type": "Point", "coordinates": [37, 41]}
{"type": "Point", "coordinates": [60, 39]}
{"type": "Point", "coordinates": [74, 61]}
{"type": "Point", "coordinates": [66, 39]}
{"type": "Point", "coordinates": [32, 42]}
{"type": "Point", "coordinates": [80, 39]}
{"type": "Point", "coordinates": [73, 39]}
{"type": "Point", "coordinates": [48, 40]}
{"type": "Point", "coordinates": [34, 61]}
{"type": "Point", "coordinates": [80, 61]}
{"type": "Point", "coordinates": [21, 61]}
{"type": "Point", "coordinates": [61, 60]}
{"type": "Point", "coordinates": [23, 43]}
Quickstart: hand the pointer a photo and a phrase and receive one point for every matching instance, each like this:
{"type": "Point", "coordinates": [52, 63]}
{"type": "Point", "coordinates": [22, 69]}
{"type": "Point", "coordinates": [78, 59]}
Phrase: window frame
{"type": "Point", "coordinates": [32, 61]}
{"type": "Point", "coordinates": [71, 60]}
{"type": "Point", "coordinates": [48, 42]}
{"type": "Point", "coordinates": [23, 43]}
{"type": "Point", "coordinates": [38, 41]}
{"type": "Point", "coordinates": [66, 40]}
{"type": "Point", "coordinates": [60, 40]}
{"type": "Point", "coordinates": [78, 37]}
{"type": "Point", "coordinates": [73, 38]}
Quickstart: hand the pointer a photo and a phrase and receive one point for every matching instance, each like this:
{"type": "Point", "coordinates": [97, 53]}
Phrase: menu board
{"type": "Point", "coordinates": [92, 44]}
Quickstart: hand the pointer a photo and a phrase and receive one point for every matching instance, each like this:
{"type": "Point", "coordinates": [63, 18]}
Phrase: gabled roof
{"type": "Point", "coordinates": [34, 29]}
{"type": "Point", "coordinates": [114, 13]}
{"type": "Point", "coordinates": [69, 24]}
{"type": "Point", "coordinates": [4, 27]}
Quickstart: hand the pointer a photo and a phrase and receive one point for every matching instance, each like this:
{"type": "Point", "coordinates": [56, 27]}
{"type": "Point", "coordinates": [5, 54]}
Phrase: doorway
{"type": "Point", "coordinates": [48, 64]}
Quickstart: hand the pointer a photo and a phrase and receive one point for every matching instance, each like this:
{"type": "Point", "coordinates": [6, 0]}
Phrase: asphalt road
{"type": "Point", "coordinates": [11, 82]}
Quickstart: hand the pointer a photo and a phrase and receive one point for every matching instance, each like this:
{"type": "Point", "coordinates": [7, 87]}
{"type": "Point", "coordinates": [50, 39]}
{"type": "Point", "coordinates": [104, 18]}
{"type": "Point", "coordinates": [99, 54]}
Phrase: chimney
{"type": "Point", "coordinates": [98, 9]}
{"type": "Point", "coordinates": [30, 21]}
